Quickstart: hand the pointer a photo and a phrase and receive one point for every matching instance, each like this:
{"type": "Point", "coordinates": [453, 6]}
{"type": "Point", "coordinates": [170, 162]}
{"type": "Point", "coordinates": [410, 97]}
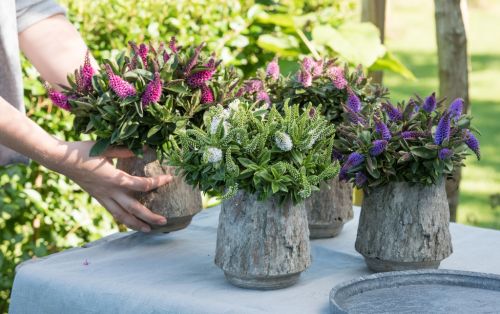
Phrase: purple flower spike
{"type": "Point", "coordinates": [412, 135]}
{"type": "Point", "coordinates": [273, 69]}
{"type": "Point", "coordinates": [121, 87]}
{"type": "Point", "coordinates": [207, 95]}
{"type": "Point", "coordinates": [59, 99]}
{"type": "Point", "coordinates": [353, 102]}
{"type": "Point", "coordinates": [153, 91]}
{"type": "Point", "coordinates": [354, 117]}
{"type": "Point", "coordinates": [472, 142]}
{"type": "Point", "coordinates": [382, 129]}
{"type": "Point", "coordinates": [198, 79]}
{"type": "Point", "coordinates": [430, 103]}
{"type": "Point", "coordinates": [445, 153]}
{"type": "Point", "coordinates": [355, 159]}
{"type": "Point", "coordinates": [378, 147]}
{"type": "Point", "coordinates": [360, 179]}
{"type": "Point", "coordinates": [336, 74]}
{"type": "Point", "coordinates": [394, 113]}
{"type": "Point", "coordinates": [456, 108]}
{"type": "Point", "coordinates": [442, 130]}
{"type": "Point", "coordinates": [305, 78]}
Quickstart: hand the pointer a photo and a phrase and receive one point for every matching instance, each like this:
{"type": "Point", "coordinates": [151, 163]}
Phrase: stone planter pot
{"type": "Point", "coordinates": [329, 209]}
{"type": "Point", "coordinates": [404, 227]}
{"type": "Point", "coordinates": [176, 201]}
{"type": "Point", "coordinates": [262, 245]}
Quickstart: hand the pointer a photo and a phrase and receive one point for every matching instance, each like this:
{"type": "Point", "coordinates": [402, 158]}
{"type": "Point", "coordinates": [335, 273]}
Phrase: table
{"type": "Point", "coordinates": [175, 273]}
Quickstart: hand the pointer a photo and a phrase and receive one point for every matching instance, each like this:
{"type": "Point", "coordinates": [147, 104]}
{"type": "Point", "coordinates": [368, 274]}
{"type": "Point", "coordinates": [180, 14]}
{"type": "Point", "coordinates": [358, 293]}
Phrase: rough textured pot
{"type": "Point", "coordinates": [262, 245]}
{"type": "Point", "coordinates": [404, 227]}
{"type": "Point", "coordinates": [176, 201]}
{"type": "Point", "coordinates": [329, 209]}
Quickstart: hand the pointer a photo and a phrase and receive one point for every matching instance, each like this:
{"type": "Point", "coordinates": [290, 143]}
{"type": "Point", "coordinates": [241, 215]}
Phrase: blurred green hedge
{"type": "Point", "coordinates": [42, 212]}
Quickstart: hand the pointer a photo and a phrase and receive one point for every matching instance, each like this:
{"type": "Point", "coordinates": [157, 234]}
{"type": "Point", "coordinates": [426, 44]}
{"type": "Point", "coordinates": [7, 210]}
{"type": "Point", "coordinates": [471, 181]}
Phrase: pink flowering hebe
{"type": "Point", "coordinates": [121, 87]}
{"type": "Point", "coordinates": [207, 95]}
{"type": "Point", "coordinates": [59, 99]}
{"type": "Point", "coordinates": [198, 79]}
{"type": "Point", "coordinates": [153, 91]}
{"type": "Point", "coordinates": [87, 72]}
{"type": "Point", "coordinates": [336, 74]}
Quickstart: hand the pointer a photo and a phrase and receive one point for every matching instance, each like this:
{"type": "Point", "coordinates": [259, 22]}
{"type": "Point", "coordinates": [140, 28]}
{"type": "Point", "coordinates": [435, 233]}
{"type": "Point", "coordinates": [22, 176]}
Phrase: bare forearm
{"type": "Point", "coordinates": [54, 47]}
{"type": "Point", "coordinates": [24, 136]}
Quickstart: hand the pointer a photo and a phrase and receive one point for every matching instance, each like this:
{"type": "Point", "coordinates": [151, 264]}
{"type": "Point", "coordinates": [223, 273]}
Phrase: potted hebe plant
{"type": "Point", "coordinates": [264, 164]}
{"type": "Point", "coordinates": [330, 84]}
{"type": "Point", "coordinates": [401, 155]}
{"type": "Point", "coordinates": [138, 100]}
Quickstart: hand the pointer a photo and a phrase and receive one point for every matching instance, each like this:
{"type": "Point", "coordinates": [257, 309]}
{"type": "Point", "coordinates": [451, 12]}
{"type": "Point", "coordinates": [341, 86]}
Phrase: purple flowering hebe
{"type": "Point", "coordinates": [418, 141]}
{"type": "Point", "coordinates": [141, 96]}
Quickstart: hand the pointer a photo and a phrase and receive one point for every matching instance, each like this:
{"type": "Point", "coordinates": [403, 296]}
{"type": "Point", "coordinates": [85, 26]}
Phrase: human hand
{"type": "Point", "coordinates": [111, 187]}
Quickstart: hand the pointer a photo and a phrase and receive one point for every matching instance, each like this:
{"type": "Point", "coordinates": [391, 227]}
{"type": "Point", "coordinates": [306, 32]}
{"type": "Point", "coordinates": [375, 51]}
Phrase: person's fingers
{"type": "Point", "coordinates": [143, 184]}
{"type": "Point", "coordinates": [135, 208]}
{"type": "Point", "coordinates": [122, 216]}
{"type": "Point", "coordinates": [118, 152]}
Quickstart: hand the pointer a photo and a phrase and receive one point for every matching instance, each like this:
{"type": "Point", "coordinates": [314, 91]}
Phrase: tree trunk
{"type": "Point", "coordinates": [262, 244]}
{"type": "Point", "coordinates": [329, 209]}
{"type": "Point", "coordinates": [374, 11]}
{"type": "Point", "coordinates": [177, 201]}
{"type": "Point", "coordinates": [453, 69]}
{"type": "Point", "coordinates": [404, 226]}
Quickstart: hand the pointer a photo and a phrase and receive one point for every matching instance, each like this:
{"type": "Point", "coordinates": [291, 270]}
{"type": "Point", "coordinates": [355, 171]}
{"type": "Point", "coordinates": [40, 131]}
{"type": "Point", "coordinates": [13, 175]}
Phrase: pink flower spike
{"type": "Point", "coordinates": [121, 87]}
{"type": "Point", "coordinates": [59, 99]}
{"type": "Point", "coordinates": [143, 53]}
{"type": "Point", "coordinates": [273, 69]}
{"type": "Point", "coordinates": [206, 95]}
{"type": "Point", "coordinates": [308, 63]}
{"type": "Point", "coordinates": [263, 96]}
{"type": "Point", "coordinates": [87, 72]}
{"type": "Point", "coordinates": [336, 74]}
{"type": "Point", "coordinates": [173, 44]}
{"type": "Point", "coordinates": [305, 78]}
{"type": "Point", "coordinates": [153, 91]}
{"type": "Point", "coordinates": [317, 69]}
{"type": "Point", "coordinates": [199, 78]}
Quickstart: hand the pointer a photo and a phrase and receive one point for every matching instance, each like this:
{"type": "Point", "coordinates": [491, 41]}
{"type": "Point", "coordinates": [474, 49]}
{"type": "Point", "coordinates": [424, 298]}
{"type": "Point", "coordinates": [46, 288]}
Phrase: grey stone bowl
{"type": "Point", "coordinates": [418, 291]}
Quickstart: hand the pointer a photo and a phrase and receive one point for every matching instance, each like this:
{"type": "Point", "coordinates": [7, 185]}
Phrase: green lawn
{"type": "Point", "coordinates": [410, 33]}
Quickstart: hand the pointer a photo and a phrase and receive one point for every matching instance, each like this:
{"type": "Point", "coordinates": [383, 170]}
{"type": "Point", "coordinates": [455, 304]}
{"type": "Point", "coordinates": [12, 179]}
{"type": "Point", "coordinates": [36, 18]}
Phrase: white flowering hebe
{"type": "Point", "coordinates": [214, 125]}
{"type": "Point", "coordinates": [213, 155]}
{"type": "Point", "coordinates": [283, 141]}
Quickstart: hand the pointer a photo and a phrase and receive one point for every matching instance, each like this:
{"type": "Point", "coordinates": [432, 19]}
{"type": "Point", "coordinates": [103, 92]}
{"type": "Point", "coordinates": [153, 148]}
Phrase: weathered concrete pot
{"type": "Point", "coordinates": [404, 227]}
{"type": "Point", "coordinates": [262, 245]}
{"type": "Point", "coordinates": [176, 201]}
{"type": "Point", "coordinates": [329, 209]}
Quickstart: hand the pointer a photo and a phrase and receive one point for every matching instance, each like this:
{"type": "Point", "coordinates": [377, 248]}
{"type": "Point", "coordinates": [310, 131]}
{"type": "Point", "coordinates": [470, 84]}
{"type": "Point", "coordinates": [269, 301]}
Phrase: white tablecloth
{"type": "Point", "coordinates": [175, 273]}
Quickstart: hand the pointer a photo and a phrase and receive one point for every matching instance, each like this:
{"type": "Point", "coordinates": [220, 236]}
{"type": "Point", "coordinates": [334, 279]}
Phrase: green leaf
{"type": "Point", "coordinates": [423, 152]}
{"type": "Point", "coordinates": [358, 43]}
{"type": "Point", "coordinates": [285, 45]}
{"type": "Point", "coordinates": [154, 130]}
{"type": "Point", "coordinates": [99, 147]}
{"type": "Point", "coordinates": [391, 63]}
